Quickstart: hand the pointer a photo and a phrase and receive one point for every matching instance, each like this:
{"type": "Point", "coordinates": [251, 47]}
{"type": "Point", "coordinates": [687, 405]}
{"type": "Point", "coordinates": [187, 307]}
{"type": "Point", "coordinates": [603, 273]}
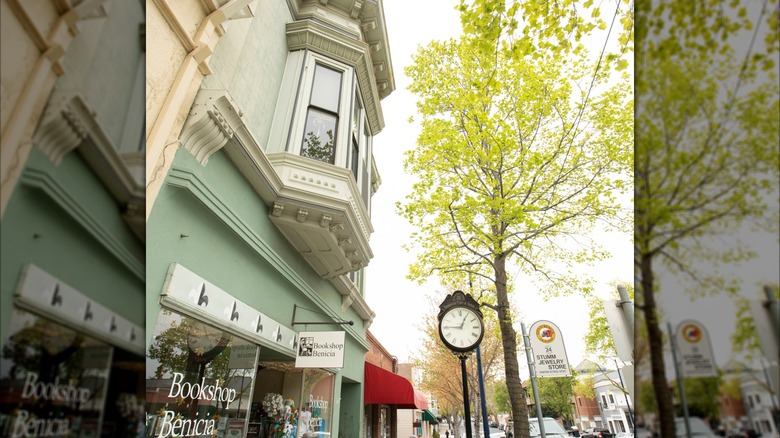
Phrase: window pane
{"type": "Point", "coordinates": [199, 378]}
{"type": "Point", "coordinates": [52, 379]}
{"type": "Point", "coordinates": [356, 117]}
{"type": "Point", "coordinates": [326, 89]}
{"type": "Point", "coordinates": [318, 136]}
{"type": "Point", "coordinates": [355, 157]}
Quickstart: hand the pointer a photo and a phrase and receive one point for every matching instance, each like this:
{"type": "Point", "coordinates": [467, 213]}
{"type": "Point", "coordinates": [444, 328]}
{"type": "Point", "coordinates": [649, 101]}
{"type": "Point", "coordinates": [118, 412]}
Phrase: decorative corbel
{"type": "Point", "coordinates": [212, 121]}
{"type": "Point", "coordinates": [357, 6]}
{"type": "Point", "coordinates": [66, 122]}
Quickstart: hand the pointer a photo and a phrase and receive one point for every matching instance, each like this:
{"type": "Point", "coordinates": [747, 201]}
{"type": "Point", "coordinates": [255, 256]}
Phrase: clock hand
{"type": "Point", "coordinates": [452, 326]}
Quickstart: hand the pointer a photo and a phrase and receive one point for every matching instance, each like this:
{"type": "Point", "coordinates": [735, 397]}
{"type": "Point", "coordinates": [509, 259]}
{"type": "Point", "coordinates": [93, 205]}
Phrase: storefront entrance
{"type": "Point", "coordinates": [202, 380]}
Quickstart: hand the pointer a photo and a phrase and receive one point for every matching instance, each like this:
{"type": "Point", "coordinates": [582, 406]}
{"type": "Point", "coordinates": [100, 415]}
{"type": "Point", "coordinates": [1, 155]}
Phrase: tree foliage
{"type": "Point", "coordinates": [583, 386]}
{"type": "Point", "coordinates": [501, 397]}
{"type": "Point", "coordinates": [706, 155]}
{"type": "Point", "coordinates": [555, 397]}
{"type": "Point", "coordinates": [745, 339]}
{"type": "Point", "coordinates": [702, 397]}
{"type": "Point", "coordinates": [525, 146]}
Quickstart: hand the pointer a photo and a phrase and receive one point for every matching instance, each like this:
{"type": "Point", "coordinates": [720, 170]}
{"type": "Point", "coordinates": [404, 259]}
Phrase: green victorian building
{"type": "Point", "coordinates": [260, 173]}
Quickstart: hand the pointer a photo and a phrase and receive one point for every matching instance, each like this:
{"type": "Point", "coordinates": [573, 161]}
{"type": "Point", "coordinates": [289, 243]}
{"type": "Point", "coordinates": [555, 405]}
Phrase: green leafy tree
{"type": "Point", "coordinates": [583, 386]}
{"type": "Point", "coordinates": [706, 149]}
{"type": "Point", "coordinates": [501, 397]}
{"type": "Point", "coordinates": [645, 397]}
{"type": "Point", "coordinates": [555, 397]}
{"type": "Point", "coordinates": [701, 395]}
{"type": "Point", "coordinates": [518, 159]}
{"type": "Point", "coordinates": [314, 148]}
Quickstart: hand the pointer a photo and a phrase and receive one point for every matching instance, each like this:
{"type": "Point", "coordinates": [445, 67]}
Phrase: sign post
{"type": "Point", "coordinates": [529, 355]}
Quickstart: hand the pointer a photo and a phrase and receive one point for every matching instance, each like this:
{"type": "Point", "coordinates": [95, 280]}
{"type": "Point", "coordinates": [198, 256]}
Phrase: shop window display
{"type": "Point", "coordinates": [290, 402]}
{"type": "Point", "coordinates": [199, 379]}
{"type": "Point", "coordinates": [53, 380]}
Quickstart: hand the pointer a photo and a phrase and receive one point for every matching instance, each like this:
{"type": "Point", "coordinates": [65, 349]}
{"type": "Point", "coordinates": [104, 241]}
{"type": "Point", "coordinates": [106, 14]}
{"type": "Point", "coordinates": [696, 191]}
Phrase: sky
{"type": "Point", "coordinates": [401, 304]}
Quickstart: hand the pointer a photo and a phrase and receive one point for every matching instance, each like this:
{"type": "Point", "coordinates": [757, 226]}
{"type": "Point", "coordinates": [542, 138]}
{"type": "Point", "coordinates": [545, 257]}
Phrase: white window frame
{"type": "Point", "coordinates": [350, 91]}
{"type": "Point", "coordinates": [298, 124]}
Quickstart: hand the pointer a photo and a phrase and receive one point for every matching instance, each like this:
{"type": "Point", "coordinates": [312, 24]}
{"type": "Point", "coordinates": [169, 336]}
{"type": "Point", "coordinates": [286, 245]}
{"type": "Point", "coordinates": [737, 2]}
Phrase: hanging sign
{"type": "Point", "coordinates": [320, 350]}
{"type": "Point", "coordinates": [549, 351]}
{"type": "Point", "coordinates": [693, 342]}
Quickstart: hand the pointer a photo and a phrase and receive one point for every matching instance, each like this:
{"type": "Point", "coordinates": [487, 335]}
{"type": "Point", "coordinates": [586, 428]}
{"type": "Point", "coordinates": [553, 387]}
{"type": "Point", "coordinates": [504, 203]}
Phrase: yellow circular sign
{"type": "Point", "coordinates": [692, 333]}
{"type": "Point", "coordinates": [545, 333]}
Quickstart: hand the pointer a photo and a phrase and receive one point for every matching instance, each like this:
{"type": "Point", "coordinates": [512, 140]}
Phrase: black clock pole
{"type": "Point", "coordinates": [466, 404]}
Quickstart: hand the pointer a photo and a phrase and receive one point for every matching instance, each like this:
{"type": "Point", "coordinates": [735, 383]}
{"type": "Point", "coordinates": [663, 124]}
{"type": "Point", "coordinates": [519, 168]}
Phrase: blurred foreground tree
{"type": "Point", "coordinates": [523, 152]}
{"type": "Point", "coordinates": [706, 148]}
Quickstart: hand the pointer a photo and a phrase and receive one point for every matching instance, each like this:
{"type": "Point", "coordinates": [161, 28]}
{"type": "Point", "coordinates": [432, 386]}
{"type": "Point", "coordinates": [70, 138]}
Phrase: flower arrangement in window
{"type": "Point", "coordinates": [272, 404]}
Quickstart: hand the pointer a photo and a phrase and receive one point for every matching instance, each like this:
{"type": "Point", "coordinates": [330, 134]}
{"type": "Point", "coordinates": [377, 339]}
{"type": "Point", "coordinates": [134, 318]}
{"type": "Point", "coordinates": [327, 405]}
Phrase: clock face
{"type": "Point", "coordinates": [461, 329]}
{"type": "Point", "coordinates": [203, 338]}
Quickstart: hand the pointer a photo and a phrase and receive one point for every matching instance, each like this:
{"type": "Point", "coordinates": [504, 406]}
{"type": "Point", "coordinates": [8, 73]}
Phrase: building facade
{"type": "Point", "coordinates": [613, 402]}
{"type": "Point", "coordinates": [72, 236]}
{"type": "Point", "coordinates": [761, 405]}
{"type": "Point", "coordinates": [390, 396]}
{"type": "Point", "coordinates": [260, 172]}
{"type": "Point", "coordinates": [587, 412]}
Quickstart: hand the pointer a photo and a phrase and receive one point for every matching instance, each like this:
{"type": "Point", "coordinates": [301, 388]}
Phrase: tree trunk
{"type": "Point", "coordinates": [655, 338]}
{"type": "Point", "coordinates": [509, 342]}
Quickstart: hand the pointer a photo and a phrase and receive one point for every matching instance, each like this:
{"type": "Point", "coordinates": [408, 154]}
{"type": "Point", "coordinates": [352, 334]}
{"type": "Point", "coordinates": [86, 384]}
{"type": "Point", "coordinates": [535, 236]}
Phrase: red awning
{"type": "Point", "coordinates": [381, 387]}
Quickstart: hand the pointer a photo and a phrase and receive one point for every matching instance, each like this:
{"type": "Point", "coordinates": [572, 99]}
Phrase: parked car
{"type": "Point", "coordinates": [699, 428]}
{"type": "Point", "coordinates": [597, 432]}
{"type": "Point", "coordinates": [552, 429]}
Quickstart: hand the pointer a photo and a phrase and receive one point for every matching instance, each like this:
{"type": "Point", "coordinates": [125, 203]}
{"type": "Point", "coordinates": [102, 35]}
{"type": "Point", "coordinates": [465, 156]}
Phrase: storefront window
{"type": "Point", "coordinates": [384, 422]}
{"type": "Point", "coordinates": [368, 421]}
{"type": "Point", "coordinates": [290, 402]}
{"type": "Point", "coordinates": [318, 400]}
{"type": "Point", "coordinates": [53, 380]}
{"type": "Point", "coordinates": [199, 379]}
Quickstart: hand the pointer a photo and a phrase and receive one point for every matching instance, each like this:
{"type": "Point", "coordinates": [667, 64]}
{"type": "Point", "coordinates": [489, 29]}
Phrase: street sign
{"type": "Point", "coordinates": [693, 343]}
{"type": "Point", "coordinates": [549, 351]}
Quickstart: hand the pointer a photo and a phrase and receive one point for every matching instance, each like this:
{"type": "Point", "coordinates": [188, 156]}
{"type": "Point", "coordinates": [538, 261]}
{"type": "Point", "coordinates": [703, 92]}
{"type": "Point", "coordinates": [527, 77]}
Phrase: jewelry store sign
{"type": "Point", "coordinates": [696, 358]}
{"type": "Point", "coordinates": [549, 351]}
{"type": "Point", "coordinates": [320, 350]}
